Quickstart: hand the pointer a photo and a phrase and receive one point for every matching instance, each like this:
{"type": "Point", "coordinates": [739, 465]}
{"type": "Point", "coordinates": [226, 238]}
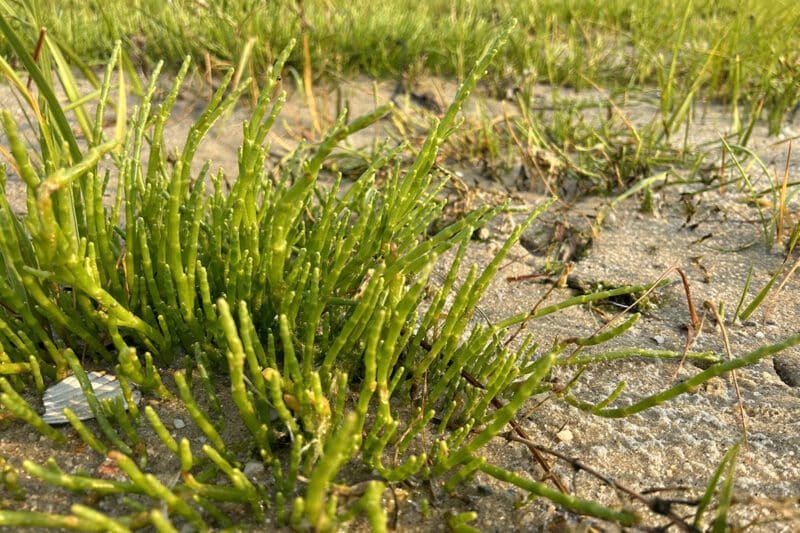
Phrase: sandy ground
{"type": "Point", "coordinates": [714, 237]}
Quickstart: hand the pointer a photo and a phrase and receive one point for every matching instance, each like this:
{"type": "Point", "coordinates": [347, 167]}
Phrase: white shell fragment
{"type": "Point", "coordinates": [68, 393]}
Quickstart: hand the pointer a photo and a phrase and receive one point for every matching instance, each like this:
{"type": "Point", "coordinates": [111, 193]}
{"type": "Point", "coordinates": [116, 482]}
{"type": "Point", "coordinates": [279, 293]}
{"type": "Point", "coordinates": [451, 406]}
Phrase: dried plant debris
{"type": "Point", "coordinates": [67, 393]}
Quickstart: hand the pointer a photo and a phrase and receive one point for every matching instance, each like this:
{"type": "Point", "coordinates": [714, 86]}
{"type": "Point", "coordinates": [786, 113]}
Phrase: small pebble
{"type": "Point", "coordinates": [481, 235]}
{"type": "Point", "coordinates": [659, 339]}
{"type": "Point", "coordinates": [564, 435]}
{"type": "Point", "coordinates": [252, 468]}
{"type": "Point", "coordinates": [178, 423]}
{"type": "Point", "coordinates": [485, 490]}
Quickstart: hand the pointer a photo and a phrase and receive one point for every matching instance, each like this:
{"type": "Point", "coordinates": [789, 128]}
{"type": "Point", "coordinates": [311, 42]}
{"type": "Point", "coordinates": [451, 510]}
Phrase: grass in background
{"type": "Point", "coordinates": [743, 55]}
{"type": "Point", "coordinates": [747, 50]}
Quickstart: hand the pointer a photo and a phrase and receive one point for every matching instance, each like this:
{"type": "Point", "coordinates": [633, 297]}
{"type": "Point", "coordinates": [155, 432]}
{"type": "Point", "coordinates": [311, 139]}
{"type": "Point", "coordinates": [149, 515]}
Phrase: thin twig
{"type": "Point", "coordinates": [693, 328]}
{"type": "Point", "coordinates": [37, 51]}
{"type": "Point", "coordinates": [657, 505]}
{"type": "Point", "coordinates": [741, 412]}
{"type": "Point", "coordinates": [692, 312]}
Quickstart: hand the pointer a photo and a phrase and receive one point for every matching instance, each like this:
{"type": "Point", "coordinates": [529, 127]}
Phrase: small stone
{"type": "Point", "coordinates": [481, 234]}
{"type": "Point", "coordinates": [659, 339]}
{"type": "Point", "coordinates": [252, 468]}
{"type": "Point", "coordinates": [485, 490]}
{"type": "Point", "coordinates": [759, 334]}
{"type": "Point", "coordinates": [178, 423]}
{"type": "Point", "coordinates": [564, 435]}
